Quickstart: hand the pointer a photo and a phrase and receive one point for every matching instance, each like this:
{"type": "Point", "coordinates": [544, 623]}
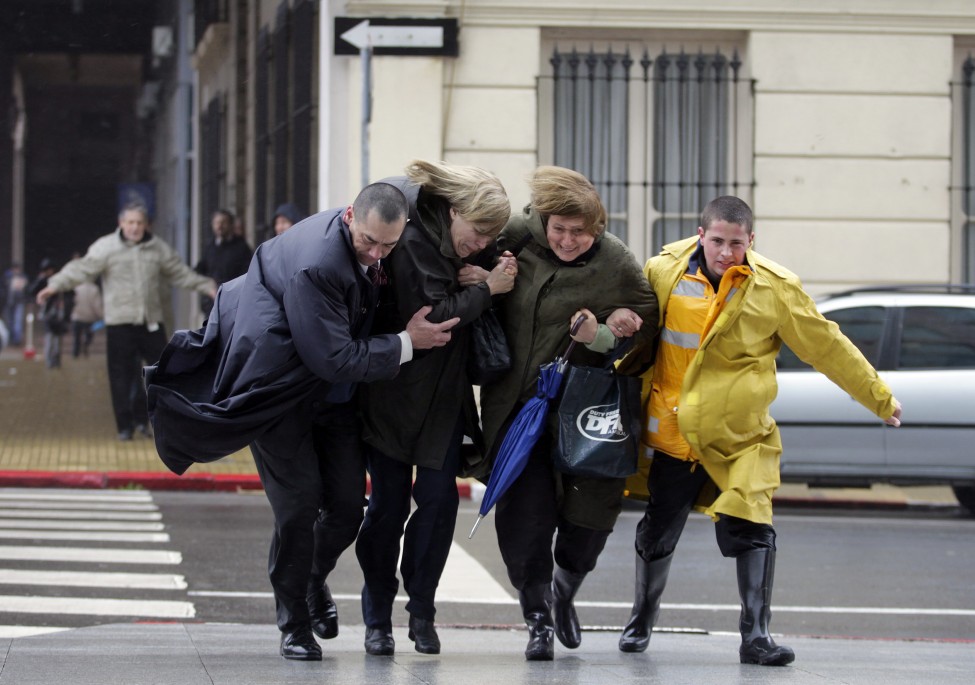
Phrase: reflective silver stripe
{"type": "Point", "coordinates": [653, 425]}
{"type": "Point", "coordinates": [689, 341]}
{"type": "Point", "coordinates": [731, 293]}
{"type": "Point", "coordinates": [689, 288]}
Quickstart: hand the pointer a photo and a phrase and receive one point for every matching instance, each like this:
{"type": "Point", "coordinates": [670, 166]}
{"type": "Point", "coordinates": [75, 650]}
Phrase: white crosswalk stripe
{"type": "Point", "coordinates": [94, 536]}
{"type": "Point", "coordinates": [148, 581]}
{"type": "Point", "coordinates": [92, 532]}
{"type": "Point", "coordinates": [82, 514]}
{"type": "Point", "coordinates": [37, 524]}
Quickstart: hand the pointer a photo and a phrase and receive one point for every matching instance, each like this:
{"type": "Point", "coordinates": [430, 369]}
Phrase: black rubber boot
{"type": "Point", "coordinates": [565, 584]}
{"type": "Point", "coordinates": [756, 569]}
{"type": "Point", "coordinates": [651, 578]}
{"type": "Point", "coordinates": [536, 605]}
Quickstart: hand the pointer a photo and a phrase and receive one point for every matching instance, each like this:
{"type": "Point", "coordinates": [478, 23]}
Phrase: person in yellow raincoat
{"type": "Point", "coordinates": [724, 313]}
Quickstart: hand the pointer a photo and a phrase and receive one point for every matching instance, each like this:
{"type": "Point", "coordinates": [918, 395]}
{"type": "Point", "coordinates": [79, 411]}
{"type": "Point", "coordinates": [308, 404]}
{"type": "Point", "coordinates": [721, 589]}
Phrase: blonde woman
{"type": "Point", "coordinates": [419, 418]}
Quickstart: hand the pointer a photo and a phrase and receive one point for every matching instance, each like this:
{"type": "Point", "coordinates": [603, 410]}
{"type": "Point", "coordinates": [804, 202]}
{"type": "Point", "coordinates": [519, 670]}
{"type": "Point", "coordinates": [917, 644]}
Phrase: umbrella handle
{"type": "Point", "coordinates": [572, 331]}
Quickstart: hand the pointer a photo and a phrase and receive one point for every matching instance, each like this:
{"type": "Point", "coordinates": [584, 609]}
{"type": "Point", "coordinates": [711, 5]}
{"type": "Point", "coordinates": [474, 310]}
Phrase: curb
{"type": "Point", "coordinates": [146, 480]}
{"type": "Point", "coordinates": [466, 489]}
{"type": "Point", "coordinates": [128, 479]}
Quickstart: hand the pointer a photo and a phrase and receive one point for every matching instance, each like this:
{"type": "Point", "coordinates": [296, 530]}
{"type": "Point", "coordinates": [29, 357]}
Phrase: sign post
{"type": "Point", "coordinates": [365, 53]}
{"type": "Point", "coordinates": [388, 36]}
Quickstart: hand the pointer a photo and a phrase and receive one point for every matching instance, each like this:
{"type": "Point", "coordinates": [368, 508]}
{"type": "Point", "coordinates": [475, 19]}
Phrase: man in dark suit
{"type": "Point", "coordinates": [291, 340]}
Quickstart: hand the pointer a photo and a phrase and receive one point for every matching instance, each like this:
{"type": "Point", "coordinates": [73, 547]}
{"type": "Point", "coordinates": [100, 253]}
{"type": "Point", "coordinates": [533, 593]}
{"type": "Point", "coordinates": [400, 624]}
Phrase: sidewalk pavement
{"type": "Point", "coordinates": [56, 430]}
{"type": "Point", "coordinates": [220, 654]}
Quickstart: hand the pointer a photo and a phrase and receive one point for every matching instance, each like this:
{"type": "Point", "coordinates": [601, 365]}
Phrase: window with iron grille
{"type": "Point", "coordinates": [285, 114]}
{"type": "Point", "coordinates": [262, 143]}
{"type": "Point", "coordinates": [658, 132]}
{"type": "Point", "coordinates": [213, 160]}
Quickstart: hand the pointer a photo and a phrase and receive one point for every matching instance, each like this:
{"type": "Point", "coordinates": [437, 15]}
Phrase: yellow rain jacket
{"type": "Point", "coordinates": [729, 384]}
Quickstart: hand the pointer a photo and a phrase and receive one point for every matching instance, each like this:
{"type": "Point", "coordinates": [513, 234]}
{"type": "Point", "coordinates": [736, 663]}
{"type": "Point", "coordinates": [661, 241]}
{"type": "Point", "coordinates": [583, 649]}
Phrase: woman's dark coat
{"type": "Point", "coordinates": [294, 328]}
{"type": "Point", "coordinates": [411, 418]}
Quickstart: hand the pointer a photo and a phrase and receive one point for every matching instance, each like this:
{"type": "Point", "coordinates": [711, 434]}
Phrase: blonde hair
{"type": "Point", "coordinates": [477, 195]}
{"type": "Point", "coordinates": [557, 191]}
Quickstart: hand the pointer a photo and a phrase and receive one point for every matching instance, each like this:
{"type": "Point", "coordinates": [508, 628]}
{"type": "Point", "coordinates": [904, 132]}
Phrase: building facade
{"type": "Point", "coordinates": [848, 125]}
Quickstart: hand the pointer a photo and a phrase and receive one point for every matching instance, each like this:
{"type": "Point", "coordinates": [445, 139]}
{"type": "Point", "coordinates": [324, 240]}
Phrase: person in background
{"type": "Point", "coordinates": [569, 266]}
{"type": "Point", "coordinates": [15, 285]}
{"type": "Point", "coordinates": [132, 263]}
{"type": "Point", "coordinates": [286, 216]}
{"type": "Point", "coordinates": [726, 311]}
{"type": "Point", "coordinates": [226, 257]}
{"type": "Point", "coordinates": [418, 419]}
{"type": "Point", "coordinates": [86, 311]}
{"type": "Point", "coordinates": [55, 314]}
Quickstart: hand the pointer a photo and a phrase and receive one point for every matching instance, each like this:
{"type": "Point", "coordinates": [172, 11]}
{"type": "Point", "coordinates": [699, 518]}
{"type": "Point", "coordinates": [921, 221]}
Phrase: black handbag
{"type": "Point", "coordinates": [489, 357]}
{"type": "Point", "coordinates": [598, 423]}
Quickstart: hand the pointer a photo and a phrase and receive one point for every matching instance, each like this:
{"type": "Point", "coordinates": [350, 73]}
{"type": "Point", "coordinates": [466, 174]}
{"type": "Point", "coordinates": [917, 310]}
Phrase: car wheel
{"type": "Point", "coordinates": [966, 496]}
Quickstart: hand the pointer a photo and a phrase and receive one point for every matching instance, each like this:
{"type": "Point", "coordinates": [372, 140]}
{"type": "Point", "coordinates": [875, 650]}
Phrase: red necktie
{"type": "Point", "coordinates": [377, 275]}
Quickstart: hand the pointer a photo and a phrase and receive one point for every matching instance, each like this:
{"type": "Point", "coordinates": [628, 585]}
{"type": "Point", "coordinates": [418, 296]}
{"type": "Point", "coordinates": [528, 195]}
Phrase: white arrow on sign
{"type": "Point", "coordinates": [364, 34]}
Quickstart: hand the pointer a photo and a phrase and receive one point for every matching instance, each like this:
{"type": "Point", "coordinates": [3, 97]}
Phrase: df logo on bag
{"type": "Point", "coordinates": [602, 423]}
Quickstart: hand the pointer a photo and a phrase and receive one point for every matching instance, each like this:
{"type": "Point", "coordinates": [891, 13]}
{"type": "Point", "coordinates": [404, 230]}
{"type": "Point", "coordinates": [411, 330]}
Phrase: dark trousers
{"type": "Point", "coordinates": [674, 485]}
{"type": "Point", "coordinates": [301, 482]}
{"type": "Point", "coordinates": [427, 538]}
{"type": "Point", "coordinates": [129, 347]}
{"type": "Point", "coordinates": [342, 468]}
{"type": "Point", "coordinates": [527, 517]}
{"type": "Point", "coordinates": [82, 335]}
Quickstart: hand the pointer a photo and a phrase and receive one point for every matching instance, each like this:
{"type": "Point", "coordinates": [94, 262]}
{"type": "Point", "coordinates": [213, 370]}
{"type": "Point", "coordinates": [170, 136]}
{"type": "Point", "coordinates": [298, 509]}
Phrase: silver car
{"type": "Point", "coordinates": [921, 340]}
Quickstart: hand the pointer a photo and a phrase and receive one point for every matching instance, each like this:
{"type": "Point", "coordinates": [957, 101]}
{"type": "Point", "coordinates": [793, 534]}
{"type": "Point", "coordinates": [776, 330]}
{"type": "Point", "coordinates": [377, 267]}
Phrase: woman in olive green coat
{"type": "Point", "coordinates": [568, 264]}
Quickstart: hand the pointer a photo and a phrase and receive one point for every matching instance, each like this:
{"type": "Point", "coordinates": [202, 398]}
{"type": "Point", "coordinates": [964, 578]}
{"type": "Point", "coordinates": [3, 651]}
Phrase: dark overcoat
{"type": "Point", "coordinates": [293, 328]}
{"type": "Point", "coordinates": [411, 418]}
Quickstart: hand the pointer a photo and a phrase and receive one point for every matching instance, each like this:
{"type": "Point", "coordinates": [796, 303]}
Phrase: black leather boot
{"type": "Point", "coordinates": [424, 635]}
{"type": "Point", "coordinates": [651, 578]}
{"type": "Point", "coordinates": [536, 606]}
{"type": "Point", "coordinates": [565, 584]}
{"type": "Point", "coordinates": [756, 569]}
{"type": "Point", "coordinates": [323, 613]}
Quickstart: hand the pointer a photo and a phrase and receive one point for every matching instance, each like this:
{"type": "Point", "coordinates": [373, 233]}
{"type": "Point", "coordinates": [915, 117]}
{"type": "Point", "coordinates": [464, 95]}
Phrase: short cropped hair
{"type": "Point", "coordinates": [557, 191]}
{"type": "Point", "coordinates": [135, 207]}
{"type": "Point", "coordinates": [386, 200]}
{"type": "Point", "coordinates": [476, 194]}
{"type": "Point", "coordinates": [727, 208]}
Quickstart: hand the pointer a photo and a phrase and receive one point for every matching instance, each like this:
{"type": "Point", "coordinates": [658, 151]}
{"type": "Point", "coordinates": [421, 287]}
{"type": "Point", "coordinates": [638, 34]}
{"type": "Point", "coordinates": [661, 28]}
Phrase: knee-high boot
{"type": "Point", "coordinates": [565, 584]}
{"type": "Point", "coordinates": [536, 606]}
{"type": "Point", "coordinates": [651, 578]}
{"type": "Point", "coordinates": [756, 569]}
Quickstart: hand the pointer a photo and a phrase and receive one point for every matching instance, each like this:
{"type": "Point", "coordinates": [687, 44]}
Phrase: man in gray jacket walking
{"type": "Point", "coordinates": [132, 264]}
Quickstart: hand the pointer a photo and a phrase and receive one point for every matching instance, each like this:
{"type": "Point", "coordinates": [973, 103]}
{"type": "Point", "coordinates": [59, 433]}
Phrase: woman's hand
{"type": "Point", "coordinates": [587, 331]}
{"type": "Point", "coordinates": [471, 275]}
{"type": "Point", "coordinates": [624, 322]}
{"type": "Point", "coordinates": [501, 278]}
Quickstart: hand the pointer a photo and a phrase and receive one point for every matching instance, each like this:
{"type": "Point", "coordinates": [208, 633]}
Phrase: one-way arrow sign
{"type": "Point", "coordinates": [392, 36]}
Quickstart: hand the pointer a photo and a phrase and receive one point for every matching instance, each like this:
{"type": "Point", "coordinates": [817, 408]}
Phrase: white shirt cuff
{"type": "Point", "coordinates": [406, 349]}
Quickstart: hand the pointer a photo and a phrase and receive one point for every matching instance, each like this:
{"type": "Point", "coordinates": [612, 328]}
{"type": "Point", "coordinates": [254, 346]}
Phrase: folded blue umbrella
{"type": "Point", "coordinates": [524, 432]}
